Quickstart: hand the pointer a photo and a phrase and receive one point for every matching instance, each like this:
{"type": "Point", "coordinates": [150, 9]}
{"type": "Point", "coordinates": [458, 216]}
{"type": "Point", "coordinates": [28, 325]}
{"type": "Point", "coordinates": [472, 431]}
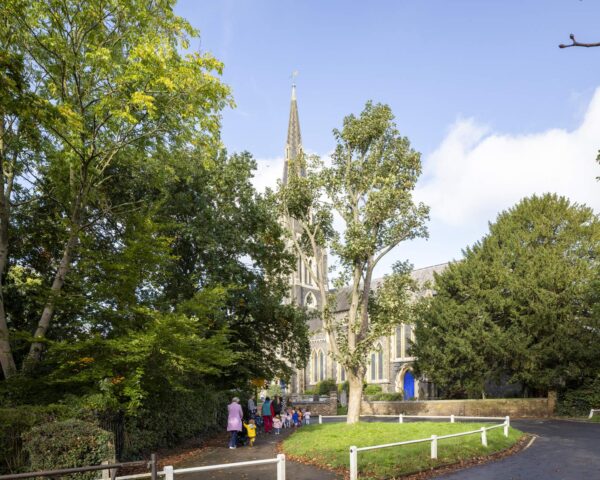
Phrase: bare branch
{"type": "Point", "coordinates": [575, 43]}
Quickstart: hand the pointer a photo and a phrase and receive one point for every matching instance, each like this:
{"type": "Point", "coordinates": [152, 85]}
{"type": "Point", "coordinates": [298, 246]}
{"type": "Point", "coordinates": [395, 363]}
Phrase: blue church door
{"type": "Point", "coordinates": [409, 385]}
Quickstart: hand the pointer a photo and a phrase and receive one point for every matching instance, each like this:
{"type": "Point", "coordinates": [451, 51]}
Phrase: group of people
{"type": "Point", "coordinates": [272, 416]}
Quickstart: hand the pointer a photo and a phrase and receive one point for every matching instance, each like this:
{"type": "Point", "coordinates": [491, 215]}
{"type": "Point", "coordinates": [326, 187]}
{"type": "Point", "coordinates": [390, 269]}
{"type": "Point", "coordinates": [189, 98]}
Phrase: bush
{"type": "Point", "coordinates": [309, 391]}
{"type": "Point", "coordinates": [578, 402]}
{"type": "Point", "coordinates": [68, 443]}
{"type": "Point", "coordinates": [326, 386]}
{"type": "Point", "coordinates": [372, 389]}
{"type": "Point", "coordinates": [344, 386]}
{"type": "Point", "coordinates": [388, 397]}
{"type": "Point", "coordinates": [14, 422]}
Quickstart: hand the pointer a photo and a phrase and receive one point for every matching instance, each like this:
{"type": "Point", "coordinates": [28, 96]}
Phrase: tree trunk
{"type": "Point", "coordinates": [36, 348]}
{"type": "Point", "coordinates": [355, 381]}
{"type": "Point", "coordinates": [7, 361]}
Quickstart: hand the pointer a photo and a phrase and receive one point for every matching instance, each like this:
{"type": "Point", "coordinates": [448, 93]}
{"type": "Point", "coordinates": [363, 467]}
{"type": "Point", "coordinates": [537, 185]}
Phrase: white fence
{"type": "Point", "coordinates": [434, 438]}
{"type": "Point", "coordinates": [169, 473]}
{"type": "Point", "coordinates": [594, 410]}
{"type": "Point", "coordinates": [401, 417]}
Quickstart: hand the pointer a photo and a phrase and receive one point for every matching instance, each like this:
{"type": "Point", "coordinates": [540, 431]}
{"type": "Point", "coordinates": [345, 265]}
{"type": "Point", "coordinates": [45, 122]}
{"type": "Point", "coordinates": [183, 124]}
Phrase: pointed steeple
{"type": "Point", "coordinates": [294, 140]}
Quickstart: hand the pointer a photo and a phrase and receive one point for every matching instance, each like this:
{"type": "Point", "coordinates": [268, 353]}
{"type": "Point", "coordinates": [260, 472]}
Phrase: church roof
{"type": "Point", "coordinates": [294, 138]}
{"type": "Point", "coordinates": [419, 275]}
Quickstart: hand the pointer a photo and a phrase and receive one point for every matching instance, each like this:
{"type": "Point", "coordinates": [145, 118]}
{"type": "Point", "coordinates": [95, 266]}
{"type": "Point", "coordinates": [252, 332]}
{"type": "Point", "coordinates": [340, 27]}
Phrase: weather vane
{"type": "Point", "coordinates": [293, 76]}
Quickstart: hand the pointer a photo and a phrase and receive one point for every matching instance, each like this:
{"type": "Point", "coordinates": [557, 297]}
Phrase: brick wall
{"type": "Point", "coordinates": [496, 407]}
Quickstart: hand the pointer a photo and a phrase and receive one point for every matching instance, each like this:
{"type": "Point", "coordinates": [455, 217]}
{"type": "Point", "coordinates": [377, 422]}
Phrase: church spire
{"type": "Point", "coordinates": [294, 140]}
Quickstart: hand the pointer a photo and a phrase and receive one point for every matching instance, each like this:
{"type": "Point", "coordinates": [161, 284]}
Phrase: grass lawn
{"type": "Point", "coordinates": [328, 445]}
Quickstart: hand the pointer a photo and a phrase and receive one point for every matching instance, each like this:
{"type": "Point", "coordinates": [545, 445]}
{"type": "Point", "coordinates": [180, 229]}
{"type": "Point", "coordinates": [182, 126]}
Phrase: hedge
{"type": "Point", "coordinates": [66, 444]}
{"type": "Point", "coordinates": [14, 422]}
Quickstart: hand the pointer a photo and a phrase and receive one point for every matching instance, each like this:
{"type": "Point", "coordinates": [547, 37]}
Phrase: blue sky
{"type": "Point", "coordinates": [479, 87]}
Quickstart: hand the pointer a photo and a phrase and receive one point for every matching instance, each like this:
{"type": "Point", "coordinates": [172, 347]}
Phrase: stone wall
{"type": "Point", "coordinates": [321, 407]}
{"type": "Point", "coordinates": [496, 407]}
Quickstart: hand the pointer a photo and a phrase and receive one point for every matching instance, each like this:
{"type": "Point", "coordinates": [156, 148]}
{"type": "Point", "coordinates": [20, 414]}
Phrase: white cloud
{"type": "Point", "coordinates": [268, 171]}
{"type": "Point", "coordinates": [476, 173]}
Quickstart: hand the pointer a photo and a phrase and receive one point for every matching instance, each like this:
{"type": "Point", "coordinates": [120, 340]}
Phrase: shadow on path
{"type": "Point", "coordinates": [264, 447]}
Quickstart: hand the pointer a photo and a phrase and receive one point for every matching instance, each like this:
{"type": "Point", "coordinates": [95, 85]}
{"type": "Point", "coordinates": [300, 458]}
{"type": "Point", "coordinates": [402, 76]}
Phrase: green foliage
{"type": "Point", "coordinates": [579, 401]}
{"type": "Point", "coordinates": [66, 444]}
{"type": "Point", "coordinates": [326, 386]}
{"type": "Point", "coordinates": [166, 421]}
{"type": "Point", "coordinates": [343, 386]}
{"type": "Point", "coordinates": [372, 389]}
{"type": "Point", "coordinates": [14, 422]}
{"type": "Point", "coordinates": [520, 306]}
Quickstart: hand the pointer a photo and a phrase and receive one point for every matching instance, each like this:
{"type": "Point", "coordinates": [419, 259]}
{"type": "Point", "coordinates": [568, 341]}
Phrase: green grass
{"type": "Point", "coordinates": [328, 445]}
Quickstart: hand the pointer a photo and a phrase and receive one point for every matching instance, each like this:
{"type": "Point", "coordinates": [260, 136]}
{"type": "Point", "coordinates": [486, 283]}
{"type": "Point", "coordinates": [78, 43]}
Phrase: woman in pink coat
{"type": "Point", "coordinates": [234, 420]}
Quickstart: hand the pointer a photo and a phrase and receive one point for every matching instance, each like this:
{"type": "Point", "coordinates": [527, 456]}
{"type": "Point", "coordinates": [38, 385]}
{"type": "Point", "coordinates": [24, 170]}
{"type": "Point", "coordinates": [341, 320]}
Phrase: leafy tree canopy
{"type": "Point", "coordinates": [520, 305]}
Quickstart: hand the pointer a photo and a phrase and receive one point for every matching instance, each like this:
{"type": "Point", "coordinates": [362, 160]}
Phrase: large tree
{"type": "Point", "coordinates": [369, 185]}
{"type": "Point", "coordinates": [114, 94]}
{"type": "Point", "coordinates": [520, 306]}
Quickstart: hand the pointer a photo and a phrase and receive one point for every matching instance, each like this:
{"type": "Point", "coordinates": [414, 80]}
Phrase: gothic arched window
{"type": "Point", "coordinates": [321, 366]}
{"type": "Point", "coordinates": [314, 368]}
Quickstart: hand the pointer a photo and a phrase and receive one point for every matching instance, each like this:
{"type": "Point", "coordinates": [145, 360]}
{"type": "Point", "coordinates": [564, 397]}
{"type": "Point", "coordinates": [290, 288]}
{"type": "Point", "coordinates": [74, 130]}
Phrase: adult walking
{"type": "Point", "coordinates": [267, 414]}
{"type": "Point", "coordinates": [277, 405]}
{"type": "Point", "coordinates": [234, 420]}
{"type": "Point", "coordinates": [251, 407]}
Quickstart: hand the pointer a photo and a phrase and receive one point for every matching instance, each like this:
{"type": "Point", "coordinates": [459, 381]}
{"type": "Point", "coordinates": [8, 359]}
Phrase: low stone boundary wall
{"type": "Point", "coordinates": [495, 407]}
{"type": "Point", "coordinates": [321, 407]}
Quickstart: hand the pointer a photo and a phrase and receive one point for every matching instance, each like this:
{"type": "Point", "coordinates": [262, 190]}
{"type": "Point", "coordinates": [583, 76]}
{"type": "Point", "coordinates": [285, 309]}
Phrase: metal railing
{"type": "Point", "coordinates": [433, 439]}
{"type": "Point", "coordinates": [401, 417]}
{"type": "Point", "coordinates": [111, 468]}
{"type": "Point", "coordinates": [169, 472]}
{"type": "Point", "coordinates": [594, 410]}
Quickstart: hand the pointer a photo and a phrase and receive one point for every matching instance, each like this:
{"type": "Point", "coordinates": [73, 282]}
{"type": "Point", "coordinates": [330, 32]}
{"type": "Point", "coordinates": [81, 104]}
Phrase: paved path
{"type": "Point", "coordinates": [562, 450]}
{"type": "Point", "coordinates": [264, 447]}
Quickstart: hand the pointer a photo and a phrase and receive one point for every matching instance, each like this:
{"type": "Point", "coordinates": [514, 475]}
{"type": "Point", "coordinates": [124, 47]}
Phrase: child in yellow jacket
{"type": "Point", "coordinates": [251, 428]}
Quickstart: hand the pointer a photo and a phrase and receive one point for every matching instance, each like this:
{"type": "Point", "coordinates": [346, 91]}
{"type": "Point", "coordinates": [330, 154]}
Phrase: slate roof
{"type": "Point", "coordinates": [420, 275]}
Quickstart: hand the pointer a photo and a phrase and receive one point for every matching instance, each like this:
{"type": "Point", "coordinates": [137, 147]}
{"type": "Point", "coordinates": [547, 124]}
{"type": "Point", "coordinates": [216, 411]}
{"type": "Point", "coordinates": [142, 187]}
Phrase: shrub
{"type": "Point", "coordinates": [579, 401]}
{"type": "Point", "coordinates": [344, 386]}
{"type": "Point", "coordinates": [326, 386]}
{"type": "Point", "coordinates": [66, 444]}
{"type": "Point", "coordinates": [14, 422]}
{"type": "Point", "coordinates": [309, 391]}
{"type": "Point", "coordinates": [372, 389]}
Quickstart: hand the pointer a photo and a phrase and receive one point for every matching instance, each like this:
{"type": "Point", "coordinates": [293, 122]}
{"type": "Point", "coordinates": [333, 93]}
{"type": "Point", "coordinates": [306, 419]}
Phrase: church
{"type": "Point", "coordinates": [390, 362]}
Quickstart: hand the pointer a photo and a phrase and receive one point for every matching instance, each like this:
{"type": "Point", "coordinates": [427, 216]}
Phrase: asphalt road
{"type": "Point", "coordinates": [561, 450]}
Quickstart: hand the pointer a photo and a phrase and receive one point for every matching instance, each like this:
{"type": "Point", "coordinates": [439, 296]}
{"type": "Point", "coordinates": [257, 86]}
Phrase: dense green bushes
{"type": "Point", "coordinates": [326, 386]}
{"type": "Point", "coordinates": [372, 389]}
{"type": "Point", "coordinates": [66, 444]}
{"type": "Point", "coordinates": [578, 402]}
{"type": "Point", "coordinates": [14, 422]}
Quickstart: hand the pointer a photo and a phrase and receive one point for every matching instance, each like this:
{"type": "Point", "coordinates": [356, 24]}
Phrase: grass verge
{"type": "Point", "coordinates": [328, 446]}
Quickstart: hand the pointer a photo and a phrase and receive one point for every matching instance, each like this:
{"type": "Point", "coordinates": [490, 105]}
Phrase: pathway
{"type": "Point", "coordinates": [264, 447]}
{"type": "Point", "coordinates": [562, 450]}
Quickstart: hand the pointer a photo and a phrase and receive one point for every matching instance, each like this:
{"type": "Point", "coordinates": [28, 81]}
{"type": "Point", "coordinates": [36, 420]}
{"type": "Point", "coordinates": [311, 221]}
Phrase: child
{"type": "Point", "coordinates": [300, 417]}
{"type": "Point", "coordinates": [307, 417]}
{"type": "Point", "coordinates": [287, 418]}
{"type": "Point", "coordinates": [251, 428]}
{"type": "Point", "coordinates": [259, 422]}
{"type": "Point", "coordinates": [295, 418]}
{"type": "Point", "coordinates": [277, 424]}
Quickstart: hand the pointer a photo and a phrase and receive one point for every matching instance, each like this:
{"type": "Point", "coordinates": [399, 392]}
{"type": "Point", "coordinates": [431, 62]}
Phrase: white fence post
{"type": "Point", "coordinates": [353, 463]}
{"type": "Point", "coordinates": [451, 418]}
{"type": "Point", "coordinates": [401, 418]}
{"type": "Point", "coordinates": [168, 472]}
{"type": "Point", "coordinates": [507, 420]}
{"type": "Point", "coordinates": [280, 467]}
{"type": "Point", "coordinates": [506, 428]}
{"type": "Point", "coordinates": [483, 437]}
{"type": "Point", "coordinates": [320, 419]}
{"type": "Point", "coordinates": [591, 413]}
{"type": "Point", "coordinates": [434, 446]}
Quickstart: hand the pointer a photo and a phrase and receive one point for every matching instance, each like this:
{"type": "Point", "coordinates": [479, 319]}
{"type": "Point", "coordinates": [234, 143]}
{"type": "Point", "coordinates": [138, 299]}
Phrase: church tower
{"type": "Point", "coordinates": [303, 290]}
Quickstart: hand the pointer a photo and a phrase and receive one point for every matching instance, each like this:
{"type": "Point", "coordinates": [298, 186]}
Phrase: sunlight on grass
{"type": "Point", "coordinates": [329, 444]}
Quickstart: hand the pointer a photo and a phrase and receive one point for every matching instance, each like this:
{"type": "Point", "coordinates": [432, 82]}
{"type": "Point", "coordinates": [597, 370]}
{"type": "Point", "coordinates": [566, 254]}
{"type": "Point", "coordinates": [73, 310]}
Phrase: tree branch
{"type": "Point", "coordinates": [575, 43]}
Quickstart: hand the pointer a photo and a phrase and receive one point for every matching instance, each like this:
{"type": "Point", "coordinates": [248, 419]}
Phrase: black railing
{"type": "Point", "coordinates": [151, 465]}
